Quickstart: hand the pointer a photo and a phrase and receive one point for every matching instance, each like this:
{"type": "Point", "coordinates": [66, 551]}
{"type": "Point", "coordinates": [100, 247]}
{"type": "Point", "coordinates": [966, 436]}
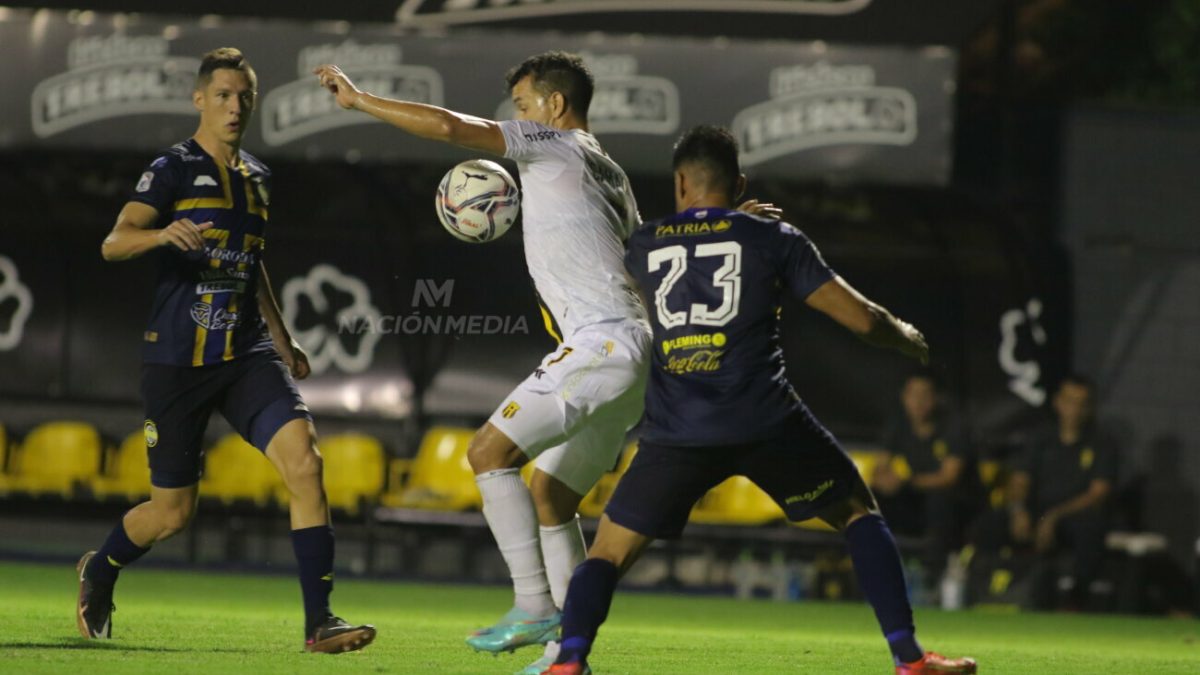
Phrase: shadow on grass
{"type": "Point", "coordinates": [79, 643]}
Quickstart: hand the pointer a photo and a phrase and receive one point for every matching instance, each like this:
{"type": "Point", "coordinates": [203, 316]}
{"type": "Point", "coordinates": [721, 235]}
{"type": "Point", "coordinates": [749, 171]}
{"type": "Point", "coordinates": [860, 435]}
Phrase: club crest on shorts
{"type": "Point", "coordinates": [510, 410]}
{"type": "Point", "coordinates": [151, 433]}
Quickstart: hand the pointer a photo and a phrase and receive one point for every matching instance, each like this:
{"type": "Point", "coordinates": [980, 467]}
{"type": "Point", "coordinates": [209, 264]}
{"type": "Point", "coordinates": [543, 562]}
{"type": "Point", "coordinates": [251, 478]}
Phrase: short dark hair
{"type": "Point", "coordinates": [225, 57]}
{"type": "Point", "coordinates": [559, 72]}
{"type": "Point", "coordinates": [924, 373]}
{"type": "Point", "coordinates": [715, 150]}
{"type": "Point", "coordinates": [1079, 380]}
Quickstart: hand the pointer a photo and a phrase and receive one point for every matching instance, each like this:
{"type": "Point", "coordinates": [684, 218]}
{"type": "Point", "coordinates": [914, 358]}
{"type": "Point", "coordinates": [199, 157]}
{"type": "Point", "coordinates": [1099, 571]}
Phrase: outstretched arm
{"type": "Point", "coordinates": [291, 353]}
{"type": "Point", "coordinates": [869, 321]}
{"type": "Point", "coordinates": [418, 119]}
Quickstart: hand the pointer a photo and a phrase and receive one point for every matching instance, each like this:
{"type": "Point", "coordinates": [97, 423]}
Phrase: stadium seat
{"type": "Point", "coordinates": [127, 472]}
{"type": "Point", "coordinates": [235, 471]}
{"type": "Point", "coordinates": [737, 501]}
{"type": "Point", "coordinates": [864, 460]}
{"type": "Point", "coordinates": [55, 459]}
{"type": "Point", "coordinates": [594, 501]}
{"type": "Point", "coordinates": [439, 477]}
{"type": "Point", "coordinates": [355, 470]}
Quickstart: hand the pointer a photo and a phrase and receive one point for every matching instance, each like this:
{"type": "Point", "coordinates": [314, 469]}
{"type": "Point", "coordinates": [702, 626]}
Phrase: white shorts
{"type": "Point", "coordinates": [572, 413]}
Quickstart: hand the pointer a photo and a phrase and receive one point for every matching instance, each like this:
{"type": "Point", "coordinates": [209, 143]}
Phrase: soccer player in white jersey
{"type": "Point", "coordinates": [571, 414]}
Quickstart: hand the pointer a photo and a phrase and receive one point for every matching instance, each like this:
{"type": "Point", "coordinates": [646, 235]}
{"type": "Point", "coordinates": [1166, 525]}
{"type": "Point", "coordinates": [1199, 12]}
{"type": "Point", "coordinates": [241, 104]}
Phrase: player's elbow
{"type": "Point", "coordinates": [108, 250]}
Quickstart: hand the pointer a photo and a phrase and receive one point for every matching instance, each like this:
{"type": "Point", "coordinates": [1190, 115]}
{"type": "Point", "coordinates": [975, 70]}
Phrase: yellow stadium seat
{"type": "Point", "coordinates": [439, 477]}
{"type": "Point", "coordinates": [234, 470]}
{"type": "Point", "coordinates": [4, 452]}
{"type": "Point", "coordinates": [595, 500]}
{"type": "Point", "coordinates": [737, 501]}
{"type": "Point", "coordinates": [55, 458]}
{"type": "Point", "coordinates": [127, 474]}
{"type": "Point", "coordinates": [865, 461]}
{"type": "Point", "coordinates": [355, 470]}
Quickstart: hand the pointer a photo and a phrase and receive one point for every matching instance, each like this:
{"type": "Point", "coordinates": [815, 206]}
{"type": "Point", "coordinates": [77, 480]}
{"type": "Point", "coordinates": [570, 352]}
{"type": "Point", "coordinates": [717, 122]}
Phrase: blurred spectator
{"type": "Point", "coordinates": [1057, 497]}
{"type": "Point", "coordinates": [919, 483]}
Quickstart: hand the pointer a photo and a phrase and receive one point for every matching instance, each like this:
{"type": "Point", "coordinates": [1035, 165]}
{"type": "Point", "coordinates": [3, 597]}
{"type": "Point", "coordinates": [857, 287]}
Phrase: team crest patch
{"type": "Point", "coordinates": [510, 410]}
{"type": "Point", "coordinates": [151, 433]}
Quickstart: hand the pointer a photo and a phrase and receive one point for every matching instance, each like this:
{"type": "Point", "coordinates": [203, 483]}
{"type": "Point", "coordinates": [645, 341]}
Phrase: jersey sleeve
{"type": "Point", "coordinates": [530, 142]}
{"type": "Point", "coordinates": [159, 184]}
{"type": "Point", "coordinates": [801, 264]}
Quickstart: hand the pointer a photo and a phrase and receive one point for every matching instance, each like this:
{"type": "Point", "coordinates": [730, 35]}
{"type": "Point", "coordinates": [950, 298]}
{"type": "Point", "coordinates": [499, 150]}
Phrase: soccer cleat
{"type": "Point", "coordinates": [933, 662]}
{"type": "Point", "coordinates": [336, 636]}
{"type": "Point", "coordinates": [94, 608]}
{"type": "Point", "coordinates": [572, 668]}
{"type": "Point", "coordinates": [537, 667]}
{"type": "Point", "coordinates": [515, 629]}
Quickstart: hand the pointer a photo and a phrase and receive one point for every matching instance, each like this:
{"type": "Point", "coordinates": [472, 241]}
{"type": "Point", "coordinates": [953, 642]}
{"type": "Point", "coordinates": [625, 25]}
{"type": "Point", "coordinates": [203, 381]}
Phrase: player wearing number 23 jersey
{"type": "Point", "coordinates": [714, 279]}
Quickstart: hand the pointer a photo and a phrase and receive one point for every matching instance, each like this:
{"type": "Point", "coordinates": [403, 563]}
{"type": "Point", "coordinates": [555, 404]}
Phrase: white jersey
{"type": "Point", "coordinates": [578, 210]}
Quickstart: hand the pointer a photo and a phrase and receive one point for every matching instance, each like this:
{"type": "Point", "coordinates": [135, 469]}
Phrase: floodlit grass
{"type": "Point", "coordinates": [182, 622]}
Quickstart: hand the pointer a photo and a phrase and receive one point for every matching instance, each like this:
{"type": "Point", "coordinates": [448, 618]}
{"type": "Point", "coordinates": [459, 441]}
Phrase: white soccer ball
{"type": "Point", "coordinates": [477, 201]}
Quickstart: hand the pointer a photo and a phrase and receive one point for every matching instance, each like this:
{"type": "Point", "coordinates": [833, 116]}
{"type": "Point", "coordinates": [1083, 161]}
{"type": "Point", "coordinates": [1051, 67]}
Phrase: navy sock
{"type": "Point", "coordinates": [586, 607]}
{"type": "Point", "coordinates": [881, 577]}
{"type": "Point", "coordinates": [314, 553]}
{"type": "Point", "coordinates": [117, 552]}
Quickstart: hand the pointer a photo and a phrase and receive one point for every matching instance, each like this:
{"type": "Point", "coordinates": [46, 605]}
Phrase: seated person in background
{"type": "Point", "coordinates": [919, 482]}
{"type": "Point", "coordinates": [1057, 496]}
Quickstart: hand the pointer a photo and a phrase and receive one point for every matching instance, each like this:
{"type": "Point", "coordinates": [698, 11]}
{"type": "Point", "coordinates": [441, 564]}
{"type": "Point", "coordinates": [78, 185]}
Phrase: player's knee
{"type": "Point", "coordinates": [173, 520]}
{"type": "Point", "coordinates": [483, 456]}
{"type": "Point", "coordinates": [306, 470]}
{"type": "Point", "coordinates": [556, 503]}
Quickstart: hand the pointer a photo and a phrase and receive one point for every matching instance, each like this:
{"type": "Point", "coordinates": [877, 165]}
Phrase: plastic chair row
{"type": "Point", "coordinates": [58, 458]}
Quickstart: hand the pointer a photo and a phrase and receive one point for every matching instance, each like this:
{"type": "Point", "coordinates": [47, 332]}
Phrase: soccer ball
{"type": "Point", "coordinates": [477, 201]}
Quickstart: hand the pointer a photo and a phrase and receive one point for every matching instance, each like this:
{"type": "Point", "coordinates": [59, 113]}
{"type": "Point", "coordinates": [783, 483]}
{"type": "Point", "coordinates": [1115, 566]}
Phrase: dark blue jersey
{"type": "Point", "coordinates": [205, 307]}
{"type": "Point", "coordinates": [713, 279]}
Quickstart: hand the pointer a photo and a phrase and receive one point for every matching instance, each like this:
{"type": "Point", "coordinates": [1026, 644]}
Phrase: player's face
{"type": "Point", "coordinates": [226, 104]}
{"type": "Point", "coordinates": [919, 398]}
{"type": "Point", "coordinates": [530, 104]}
{"type": "Point", "coordinates": [1073, 403]}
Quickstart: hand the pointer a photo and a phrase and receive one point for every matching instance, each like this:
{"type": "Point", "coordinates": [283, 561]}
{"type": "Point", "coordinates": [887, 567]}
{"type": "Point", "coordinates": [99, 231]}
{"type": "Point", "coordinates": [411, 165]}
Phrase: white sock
{"type": "Point", "coordinates": [562, 550]}
{"type": "Point", "coordinates": [508, 509]}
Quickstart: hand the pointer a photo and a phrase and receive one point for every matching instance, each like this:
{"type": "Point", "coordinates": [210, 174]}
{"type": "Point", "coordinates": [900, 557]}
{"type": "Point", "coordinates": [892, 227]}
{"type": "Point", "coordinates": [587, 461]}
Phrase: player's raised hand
{"type": "Point", "coordinates": [184, 235]}
{"type": "Point", "coordinates": [761, 209]}
{"type": "Point", "coordinates": [332, 78]}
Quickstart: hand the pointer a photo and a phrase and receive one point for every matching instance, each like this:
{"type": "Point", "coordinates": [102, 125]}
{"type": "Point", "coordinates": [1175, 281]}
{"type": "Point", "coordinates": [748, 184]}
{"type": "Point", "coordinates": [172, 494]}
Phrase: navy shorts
{"type": "Point", "coordinates": [803, 469]}
{"type": "Point", "coordinates": [255, 393]}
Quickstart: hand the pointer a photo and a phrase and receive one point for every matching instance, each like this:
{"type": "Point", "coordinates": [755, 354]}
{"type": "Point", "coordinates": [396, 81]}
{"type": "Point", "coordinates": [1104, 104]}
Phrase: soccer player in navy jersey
{"type": "Point", "coordinates": [215, 341]}
{"type": "Point", "coordinates": [718, 402]}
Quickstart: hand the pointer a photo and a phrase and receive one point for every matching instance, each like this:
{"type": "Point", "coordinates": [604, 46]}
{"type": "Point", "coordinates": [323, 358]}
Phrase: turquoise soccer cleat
{"type": "Point", "coordinates": [514, 630]}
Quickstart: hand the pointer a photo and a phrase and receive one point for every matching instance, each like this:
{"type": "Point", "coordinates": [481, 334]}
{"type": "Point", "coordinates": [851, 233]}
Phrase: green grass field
{"type": "Point", "coordinates": [176, 622]}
